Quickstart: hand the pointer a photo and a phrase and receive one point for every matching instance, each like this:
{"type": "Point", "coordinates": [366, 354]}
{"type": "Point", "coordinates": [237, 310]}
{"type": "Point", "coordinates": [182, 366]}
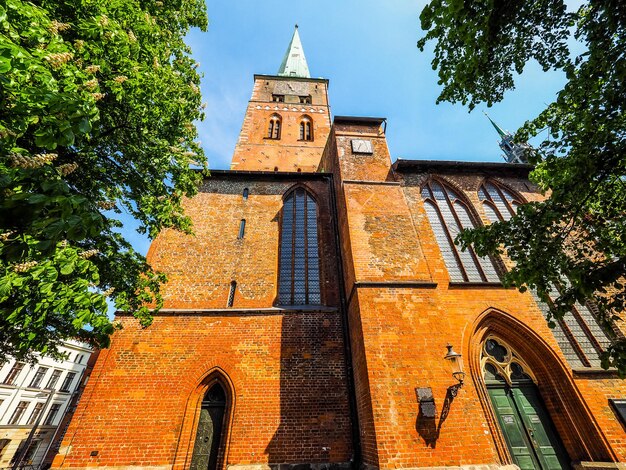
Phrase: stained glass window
{"type": "Point", "coordinates": [448, 215]}
{"type": "Point", "coordinates": [299, 270]}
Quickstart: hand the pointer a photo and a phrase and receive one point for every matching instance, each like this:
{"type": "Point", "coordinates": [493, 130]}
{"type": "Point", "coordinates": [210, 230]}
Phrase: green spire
{"type": "Point", "coordinates": [294, 63]}
{"type": "Point", "coordinates": [502, 133]}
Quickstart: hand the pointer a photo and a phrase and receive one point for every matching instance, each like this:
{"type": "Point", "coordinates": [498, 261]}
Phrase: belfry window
{"type": "Point", "coordinates": [273, 130]}
{"type": "Point", "coordinates": [499, 203]}
{"type": "Point", "coordinates": [448, 215]}
{"type": "Point", "coordinates": [306, 128]}
{"type": "Point", "coordinates": [299, 271]}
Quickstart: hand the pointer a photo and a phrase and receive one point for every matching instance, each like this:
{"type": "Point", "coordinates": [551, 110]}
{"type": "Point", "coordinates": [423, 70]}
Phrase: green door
{"type": "Point", "coordinates": [209, 434]}
{"type": "Point", "coordinates": [527, 427]}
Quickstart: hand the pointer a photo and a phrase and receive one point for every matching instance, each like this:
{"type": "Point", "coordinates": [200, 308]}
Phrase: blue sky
{"type": "Point", "coordinates": [367, 49]}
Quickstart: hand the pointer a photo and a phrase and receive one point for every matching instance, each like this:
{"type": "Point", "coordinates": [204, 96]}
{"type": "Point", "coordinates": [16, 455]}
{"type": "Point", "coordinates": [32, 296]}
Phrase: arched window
{"type": "Point", "coordinates": [246, 191]}
{"type": "Point", "coordinates": [273, 130]}
{"type": "Point", "coordinates": [578, 333]}
{"type": "Point", "coordinates": [448, 215]}
{"type": "Point", "coordinates": [306, 128]}
{"type": "Point", "coordinates": [299, 270]}
{"type": "Point", "coordinates": [499, 203]}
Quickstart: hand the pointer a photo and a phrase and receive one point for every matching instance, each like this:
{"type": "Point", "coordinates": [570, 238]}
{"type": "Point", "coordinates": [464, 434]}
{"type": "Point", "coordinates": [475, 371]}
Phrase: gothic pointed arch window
{"type": "Point", "coordinates": [306, 128]}
{"type": "Point", "coordinates": [274, 127]}
{"type": "Point", "coordinates": [579, 334]}
{"type": "Point", "coordinates": [448, 214]}
{"type": "Point", "coordinates": [499, 202]}
{"type": "Point", "coordinates": [299, 266]}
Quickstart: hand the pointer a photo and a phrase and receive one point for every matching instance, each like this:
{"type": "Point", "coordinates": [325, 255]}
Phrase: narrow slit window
{"type": "Point", "coordinates": [242, 228]}
{"type": "Point", "coordinates": [231, 293]}
{"type": "Point", "coordinates": [245, 194]}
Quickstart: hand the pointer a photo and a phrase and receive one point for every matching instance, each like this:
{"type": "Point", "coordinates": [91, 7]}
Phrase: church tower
{"type": "Point", "coordinates": [288, 118]}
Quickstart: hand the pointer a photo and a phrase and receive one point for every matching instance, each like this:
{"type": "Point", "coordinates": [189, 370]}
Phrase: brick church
{"type": "Point", "coordinates": [322, 318]}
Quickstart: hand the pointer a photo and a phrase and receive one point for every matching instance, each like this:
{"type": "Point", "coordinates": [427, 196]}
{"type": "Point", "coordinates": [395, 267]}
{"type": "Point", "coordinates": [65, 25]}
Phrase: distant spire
{"type": "Point", "coordinates": [294, 63]}
{"type": "Point", "coordinates": [513, 152]}
{"type": "Point", "coordinates": [498, 128]}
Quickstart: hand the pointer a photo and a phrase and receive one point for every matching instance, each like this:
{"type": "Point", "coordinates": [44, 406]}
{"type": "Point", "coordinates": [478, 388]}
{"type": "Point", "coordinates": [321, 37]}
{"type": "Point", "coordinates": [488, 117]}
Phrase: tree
{"type": "Point", "coordinates": [98, 100]}
{"type": "Point", "coordinates": [576, 238]}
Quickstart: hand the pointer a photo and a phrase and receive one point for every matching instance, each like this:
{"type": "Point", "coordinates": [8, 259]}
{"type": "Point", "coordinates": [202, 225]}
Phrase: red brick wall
{"type": "Point", "coordinates": [289, 399]}
{"type": "Point", "coordinates": [286, 369]}
{"type": "Point", "coordinates": [401, 325]}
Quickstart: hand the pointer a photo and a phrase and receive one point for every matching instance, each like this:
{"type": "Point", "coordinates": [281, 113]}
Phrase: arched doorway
{"type": "Point", "coordinates": [521, 414]}
{"type": "Point", "coordinates": [211, 429]}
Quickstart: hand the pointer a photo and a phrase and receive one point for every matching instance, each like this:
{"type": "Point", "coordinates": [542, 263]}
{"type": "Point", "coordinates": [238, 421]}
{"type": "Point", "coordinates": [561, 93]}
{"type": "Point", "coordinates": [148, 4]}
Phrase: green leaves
{"type": "Point", "coordinates": [94, 97]}
{"type": "Point", "coordinates": [576, 238]}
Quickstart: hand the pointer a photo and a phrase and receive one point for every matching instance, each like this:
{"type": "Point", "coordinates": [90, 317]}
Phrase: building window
{"type": "Point", "coordinates": [580, 336]}
{"type": "Point", "coordinates": [54, 378]}
{"type": "Point", "coordinates": [499, 203]}
{"type": "Point", "coordinates": [448, 215]}
{"type": "Point", "coordinates": [305, 99]}
{"type": "Point", "coordinates": [69, 378]}
{"type": "Point", "coordinates": [11, 377]}
{"type": "Point", "coordinates": [18, 412]}
{"type": "Point", "coordinates": [306, 128]}
{"type": "Point", "coordinates": [273, 131]}
{"type": "Point", "coordinates": [245, 194]}
{"type": "Point", "coordinates": [231, 294]}
{"type": "Point", "coordinates": [35, 414]}
{"type": "Point", "coordinates": [299, 272]}
{"type": "Point", "coordinates": [278, 98]}
{"type": "Point", "coordinates": [242, 228]}
{"type": "Point", "coordinates": [54, 410]}
{"type": "Point", "coordinates": [4, 444]}
{"type": "Point", "coordinates": [39, 375]}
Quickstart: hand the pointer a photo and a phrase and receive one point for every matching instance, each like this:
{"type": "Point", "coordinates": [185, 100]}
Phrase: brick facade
{"type": "Point", "coordinates": [296, 389]}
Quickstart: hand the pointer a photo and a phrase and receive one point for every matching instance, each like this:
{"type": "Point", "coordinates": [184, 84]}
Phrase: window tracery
{"type": "Point", "coordinates": [501, 364]}
{"type": "Point", "coordinates": [448, 215]}
{"type": "Point", "coordinates": [299, 267]}
{"type": "Point", "coordinates": [500, 204]}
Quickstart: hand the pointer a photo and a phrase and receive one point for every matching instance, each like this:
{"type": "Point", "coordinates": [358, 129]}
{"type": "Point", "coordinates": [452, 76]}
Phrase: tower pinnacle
{"type": "Point", "coordinates": [294, 63]}
{"type": "Point", "coordinates": [513, 152]}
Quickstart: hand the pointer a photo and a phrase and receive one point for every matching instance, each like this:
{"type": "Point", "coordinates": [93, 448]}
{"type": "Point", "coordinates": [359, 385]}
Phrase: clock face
{"type": "Point", "coordinates": [362, 146]}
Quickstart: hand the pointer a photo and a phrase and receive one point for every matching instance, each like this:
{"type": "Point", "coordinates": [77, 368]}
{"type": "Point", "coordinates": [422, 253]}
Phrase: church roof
{"type": "Point", "coordinates": [294, 63]}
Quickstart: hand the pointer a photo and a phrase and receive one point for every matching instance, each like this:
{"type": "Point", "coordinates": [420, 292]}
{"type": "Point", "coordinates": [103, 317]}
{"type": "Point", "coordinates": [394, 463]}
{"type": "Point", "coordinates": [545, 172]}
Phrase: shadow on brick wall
{"type": "Point", "coordinates": [314, 425]}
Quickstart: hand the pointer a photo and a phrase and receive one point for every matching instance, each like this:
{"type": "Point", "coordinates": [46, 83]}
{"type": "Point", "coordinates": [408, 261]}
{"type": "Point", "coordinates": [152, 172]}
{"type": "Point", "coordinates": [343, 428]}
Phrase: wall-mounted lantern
{"type": "Point", "coordinates": [456, 364]}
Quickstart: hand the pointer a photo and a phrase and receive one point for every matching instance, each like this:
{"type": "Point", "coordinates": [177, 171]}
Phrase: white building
{"type": "Point", "coordinates": [33, 401]}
